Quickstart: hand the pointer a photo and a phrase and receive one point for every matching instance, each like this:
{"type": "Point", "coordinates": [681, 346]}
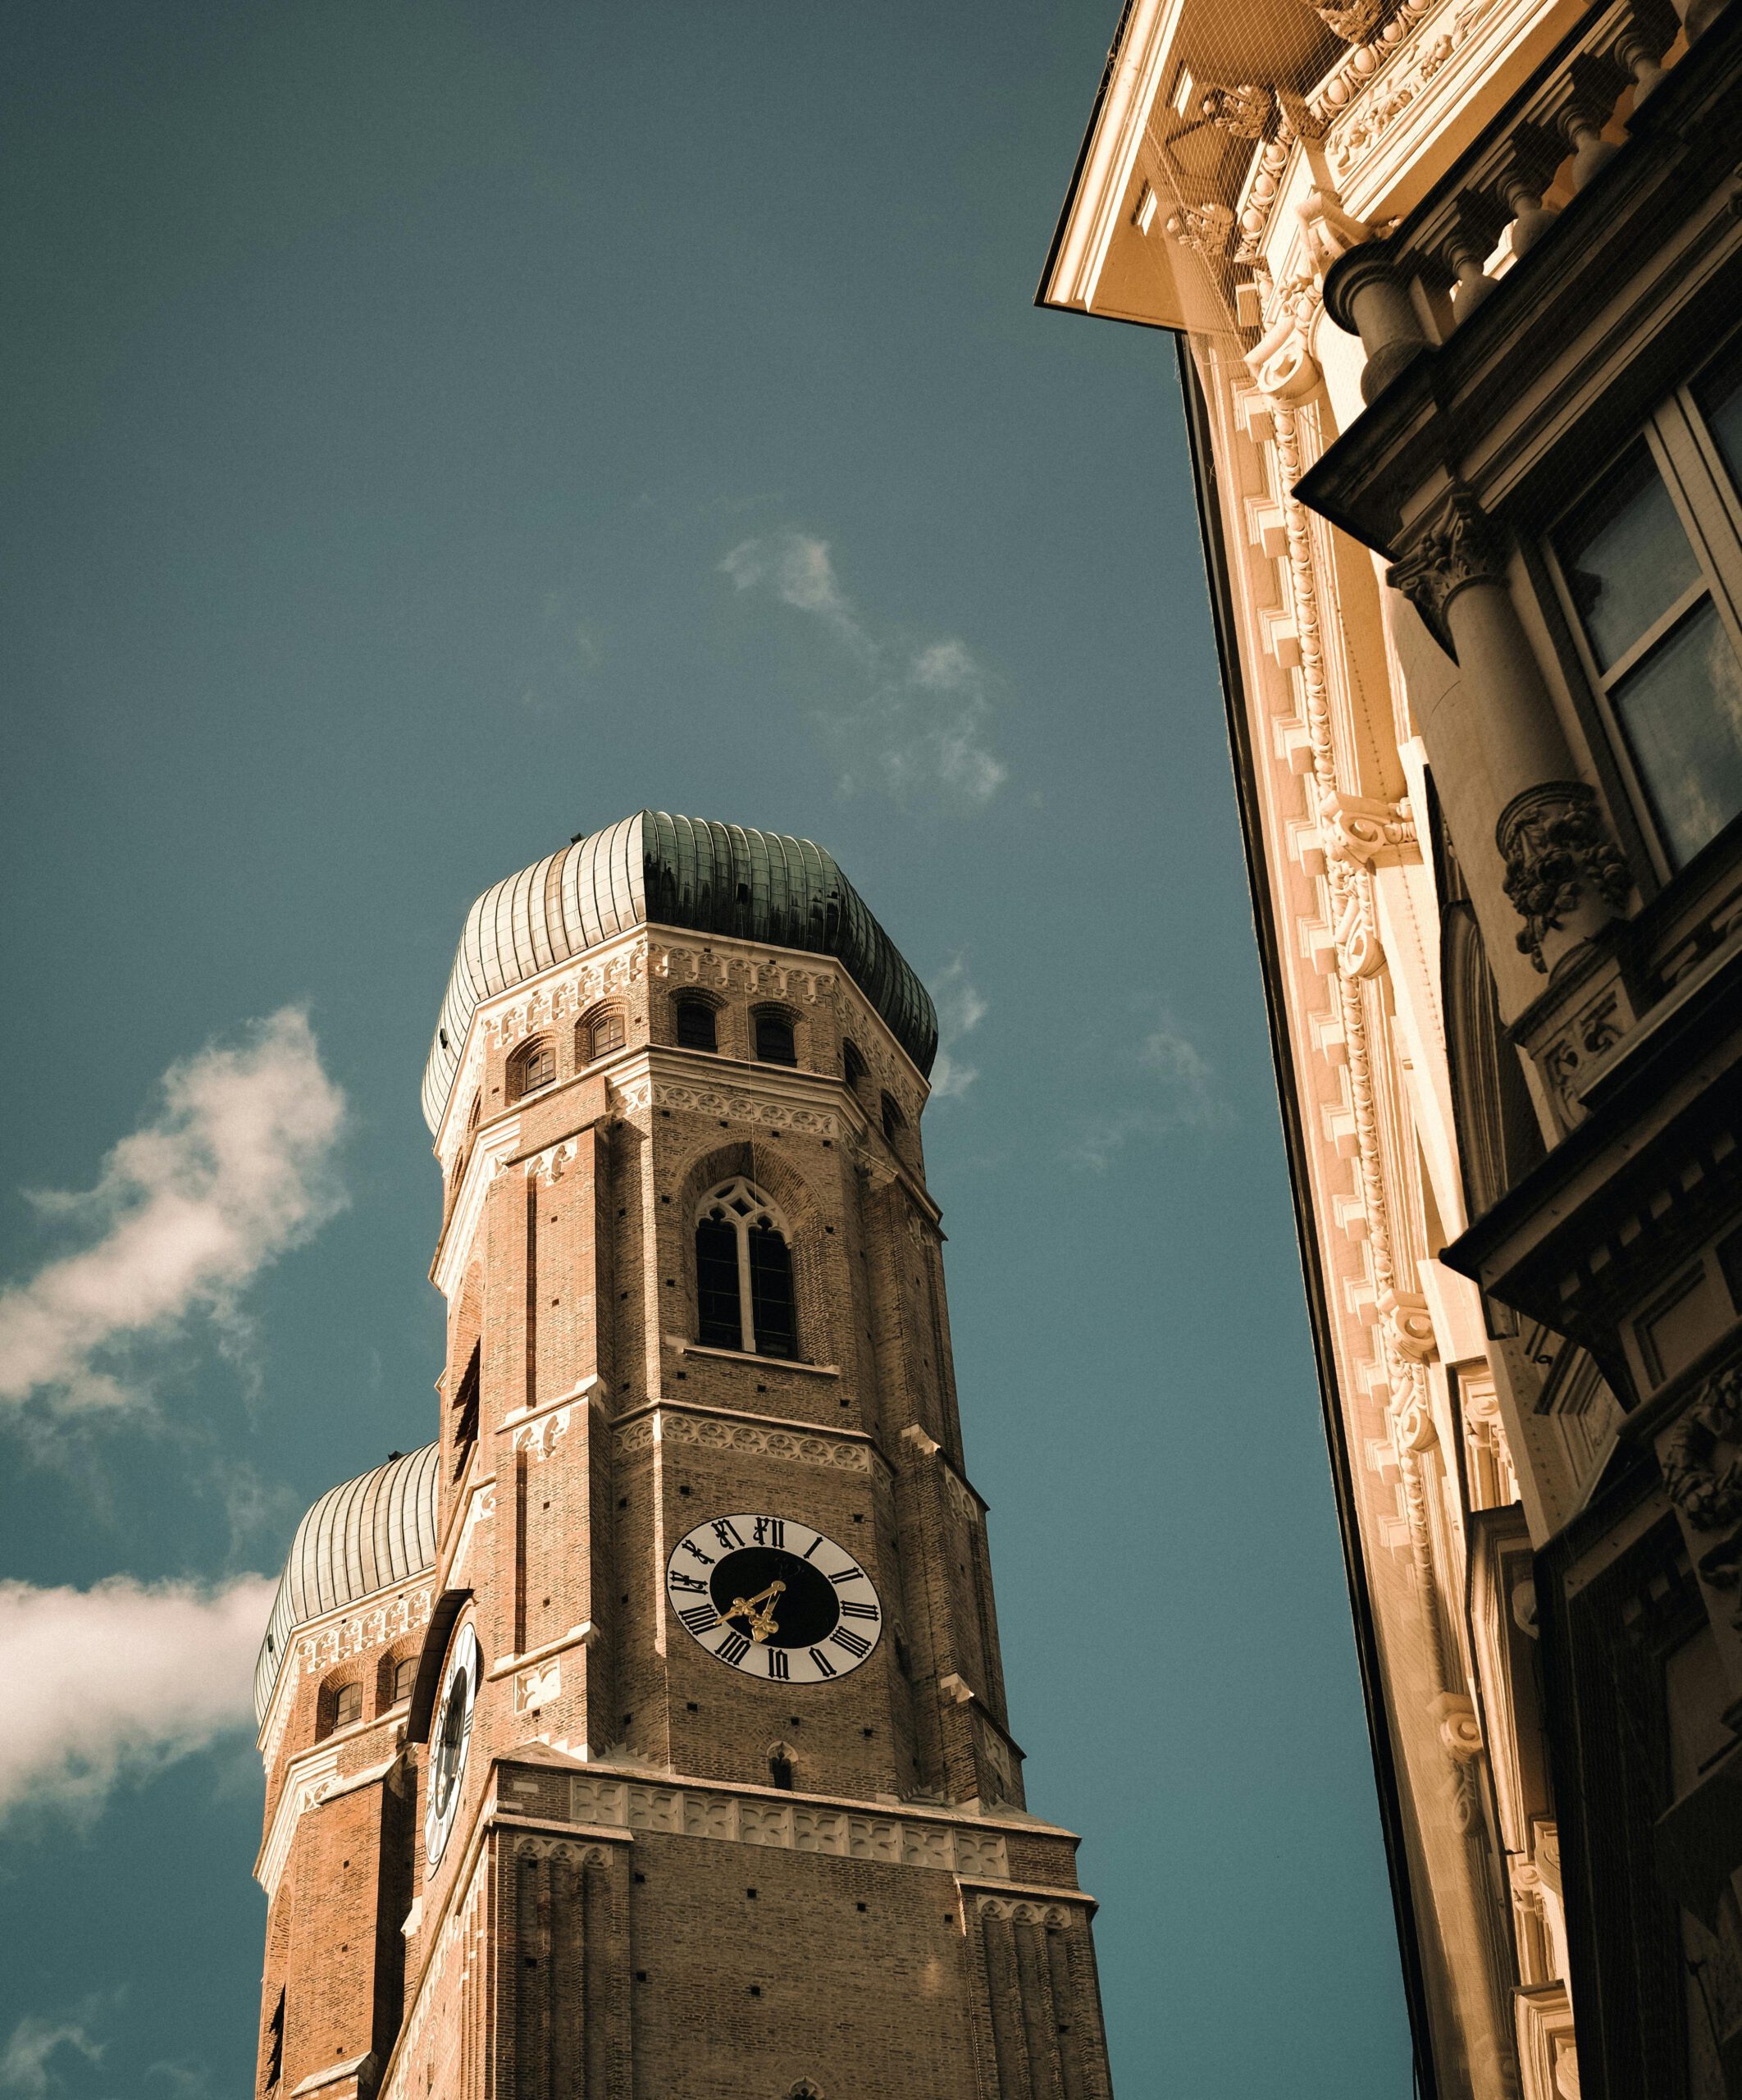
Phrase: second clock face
{"type": "Point", "coordinates": [774, 1598]}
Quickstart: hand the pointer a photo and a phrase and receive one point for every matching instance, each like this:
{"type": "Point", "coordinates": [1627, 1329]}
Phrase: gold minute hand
{"type": "Point", "coordinates": [761, 1623]}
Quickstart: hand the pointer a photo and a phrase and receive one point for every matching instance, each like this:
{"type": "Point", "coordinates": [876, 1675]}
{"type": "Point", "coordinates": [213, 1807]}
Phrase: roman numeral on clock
{"type": "Point", "coordinates": [769, 1531]}
{"type": "Point", "coordinates": [778, 1665]}
{"type": "Point", "coordinates": [733, 1649]}
{"type": "Point", "coordinates": [855, 1644]}
{"type": "Point", "coordinates": [727, 1534]}
{"type": "Point", "coordinates": [700, 1619]}
{"type": "Point", "coordinates": [682, 1582]}
{"type": "Point", "coordinates": [825, 1668]}
{"type": "Point", "coordinates": [849, 1575]}
{"type": "Point", "coordinates": [851, 1610]}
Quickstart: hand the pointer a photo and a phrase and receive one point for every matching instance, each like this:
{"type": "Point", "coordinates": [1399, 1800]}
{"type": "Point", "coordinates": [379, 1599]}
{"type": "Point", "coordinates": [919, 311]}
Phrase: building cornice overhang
{"type": "Point", "coordinates": [1574, 1227]}
{"type": "Point", "coordinates": [1647, 253]}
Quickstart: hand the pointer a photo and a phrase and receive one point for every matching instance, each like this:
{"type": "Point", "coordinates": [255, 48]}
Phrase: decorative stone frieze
{"type": "Point", "coordinates": [670, 1425]}
{"type": "Point", "coordinates": [1244, 112]}
{"type": "Point", "coordinates": [1205, 228]}
{"type": "Point", "coordinates": [793, 1825]}
{"type": "Point", "coordinates": [1557, 849]}
{"type": "Point", "coordinates": [1708, 1491]}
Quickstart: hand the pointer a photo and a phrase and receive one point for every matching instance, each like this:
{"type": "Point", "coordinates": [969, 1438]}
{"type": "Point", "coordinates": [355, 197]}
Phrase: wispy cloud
{"type": "Point", "coordinates": [960, 1010]}
{"type": "Point", "coordinates": [917, 718]}
{"type": "Point", "coordinates": [112, 1683]}
{"type": "Point", "coordinates": [27, 2061]}
{"type": "Point", "coordinates": [237, 1169]}
{"type": "Point", "coordinates": [1183, 1093]}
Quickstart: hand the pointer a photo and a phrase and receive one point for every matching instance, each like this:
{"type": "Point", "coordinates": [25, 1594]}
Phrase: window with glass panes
{"type": "Point", "coordinates": [1650, 559]}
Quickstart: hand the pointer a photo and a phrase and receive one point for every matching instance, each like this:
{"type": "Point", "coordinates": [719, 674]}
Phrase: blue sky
{"type": "Point", "coordinates": [430, 431]}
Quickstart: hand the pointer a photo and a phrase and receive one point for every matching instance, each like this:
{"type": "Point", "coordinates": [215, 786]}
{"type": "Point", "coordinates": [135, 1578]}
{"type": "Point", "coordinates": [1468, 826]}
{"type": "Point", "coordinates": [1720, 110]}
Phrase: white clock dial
{"type": "Point", "coordinates": [449, 1740]}
{"type": "Point", "coordinates": [774, 1598]}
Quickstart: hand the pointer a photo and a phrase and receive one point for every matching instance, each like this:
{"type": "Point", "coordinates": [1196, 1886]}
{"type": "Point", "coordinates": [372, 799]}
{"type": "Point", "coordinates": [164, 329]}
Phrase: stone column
{"type": "Point", "coordinates": [1500, 759]}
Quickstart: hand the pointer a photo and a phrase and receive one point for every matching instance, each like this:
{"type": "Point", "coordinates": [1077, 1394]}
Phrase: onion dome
{"type": "Point", "coordinates": [365, 1535]}
{"type": "Point", "coordinates": [655, 869]}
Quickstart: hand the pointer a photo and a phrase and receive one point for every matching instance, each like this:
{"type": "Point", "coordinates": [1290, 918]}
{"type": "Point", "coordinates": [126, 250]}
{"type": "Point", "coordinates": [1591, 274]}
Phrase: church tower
{"type": "Point", "coordinates": [643, 1736]}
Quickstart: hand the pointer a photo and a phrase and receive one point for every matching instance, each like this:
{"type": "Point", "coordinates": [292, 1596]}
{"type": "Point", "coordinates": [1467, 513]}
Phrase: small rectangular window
{"type": "Point", "coordinates": [607, 1034]}
{"type": "Point", "coordinates": [696, 1027]}
{"type": "Point", "coordinates": [404, 1678]}
{"type": "Point", "coordinates": [774, 1044]}
{"type": "Point", "coordinates": [347, 1706]}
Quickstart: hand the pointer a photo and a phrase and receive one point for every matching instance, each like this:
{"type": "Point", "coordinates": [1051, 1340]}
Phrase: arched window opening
{"type": "Point", "coordinates": [774, 1044]}
{"type": "Point", "coordinates": [853, 1063]}
{"type": "Point", "coordinates": [781, 1772]}
{"type": "Point", "coordinates": [405, 1676]}
{"type": "Point", "coordinates": [600, 1035]}
{"type": "Point", "coordinates": [698, 1028]}
{"type": "Point", "coordinates": [531, 1066]}
{"type": "Point", "coordinates": [744, 1274]}
{"type": "Point", "coordinates": [345, 1707]}
{"type": "Point", "coordinates": [466, 1411]}
{"type": "Point", "coordinates": [894, 1121]}
{"type": "Point", "coordinates": [275, 2051]}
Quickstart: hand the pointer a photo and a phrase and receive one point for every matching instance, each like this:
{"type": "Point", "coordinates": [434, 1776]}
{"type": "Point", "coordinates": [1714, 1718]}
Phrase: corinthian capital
{"type": "Point", "coordinates": [1457, 544]}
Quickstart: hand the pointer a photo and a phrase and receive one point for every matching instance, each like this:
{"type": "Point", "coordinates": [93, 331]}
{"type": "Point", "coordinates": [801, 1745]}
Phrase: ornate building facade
{"type": "Point", "coordinates": [630, 1742]}
{"type": "Point", "coordinates": [1456, 286]}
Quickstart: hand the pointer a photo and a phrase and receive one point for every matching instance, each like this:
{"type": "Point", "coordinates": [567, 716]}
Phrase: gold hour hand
{"type": "Point", "coordinates": [760, 1622]}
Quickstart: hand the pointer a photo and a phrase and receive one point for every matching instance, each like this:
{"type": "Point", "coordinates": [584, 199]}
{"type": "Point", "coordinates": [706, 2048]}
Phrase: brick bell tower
{"type": "Point", "coordinates": [643, 1737]}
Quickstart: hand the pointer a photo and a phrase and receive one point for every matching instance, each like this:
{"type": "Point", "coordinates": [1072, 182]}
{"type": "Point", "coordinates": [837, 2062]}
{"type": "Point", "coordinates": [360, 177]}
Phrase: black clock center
{"type": "Point", "coordinates": [804, 1611]}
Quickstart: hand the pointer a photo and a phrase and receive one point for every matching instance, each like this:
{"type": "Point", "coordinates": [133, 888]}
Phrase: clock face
{"type": "Point", "coordinates": [775, 1598]}
{"type": "Point", "coordinates": [449, 1740]}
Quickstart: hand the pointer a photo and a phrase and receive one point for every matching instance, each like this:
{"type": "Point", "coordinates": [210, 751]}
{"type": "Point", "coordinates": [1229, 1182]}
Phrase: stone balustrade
{"type": "Point", "coordinates": [1406, 292]}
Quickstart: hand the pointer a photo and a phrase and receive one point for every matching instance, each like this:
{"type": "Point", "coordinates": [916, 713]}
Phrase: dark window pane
{"type": "Point", "coordinates": [852, 1063]}
{"type": "Point", "coordinates": [405, 1676]}
{"type": "Point", "coordinates": [1626, 558]}
{"type": "Point", "coordinates": [774, 1040]}
{"type": "Point", "coordinates": [771, 1294]}
{"type": "Point", "coordinates": [347, 1706]}
{"type": "Point", "coordinates": [696, 1025]}
{"type": "Point", "coordinates": [1681, 710]}
{"type": "Point", "coordinates": [1720, 397]}
{"type": "Point", "coordinates": [717, 1285]}
{"type": "Point", "coordinates": [893, 1120]}
{"type": "Point", "coordinates": [607, 1034]}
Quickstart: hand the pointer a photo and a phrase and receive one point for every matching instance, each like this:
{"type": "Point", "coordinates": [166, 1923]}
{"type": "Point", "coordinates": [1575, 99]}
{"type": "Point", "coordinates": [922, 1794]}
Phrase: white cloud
{"type": "Point", "coordinates": [114, 1682]}
{"type": "Point", "coordinates": [25, 2062]}
{"type": "Point", "coordinates": [238, 1168]}
{"type": "Point", "coordinates": [1192, 1099]}
{"type": "Point", "coordinates": [960, 1010]}
{"type": "Point", "coordinates": [918, 720]}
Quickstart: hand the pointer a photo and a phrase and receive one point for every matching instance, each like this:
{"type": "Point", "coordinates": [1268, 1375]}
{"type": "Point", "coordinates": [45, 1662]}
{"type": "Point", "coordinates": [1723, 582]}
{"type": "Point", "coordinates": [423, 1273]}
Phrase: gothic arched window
{"type": "Point", "coordinates": [744, 1273]}
{"type": "Point", "coordinates": [600, 1034]}
{"type": "Point", "coordinates": [697, 1028]}
{"type": "Point", "coordinates": [853, 1064]}
{"type": "Point", "coordinates": [894, 1121]}
{"type": "Point", "coordinates": [774, 1044]}
{"type": "Point", "coordinates": [532, 1065]}
{"type": "Point", "coordinates": [405, 1676]}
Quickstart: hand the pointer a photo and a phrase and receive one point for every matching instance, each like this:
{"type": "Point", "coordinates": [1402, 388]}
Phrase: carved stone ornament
{"type": "Point", "coordinates": [1242, 112]}
{"type": "Point", "coordinates": [1204, 228]}
{"type": "Point", "coordinates": [1354, 20]}
{"type": "Point", "coordinates": [1459, 546]}
{"type": "Point", "coordinates": [1557, 848]}
{"type": "Point", "coordinates": [1709, 1495]}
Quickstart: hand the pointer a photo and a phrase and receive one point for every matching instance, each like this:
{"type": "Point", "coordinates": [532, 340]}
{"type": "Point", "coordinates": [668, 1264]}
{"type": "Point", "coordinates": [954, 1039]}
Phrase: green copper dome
{"type": "Point", "coordinates": [653, 869]}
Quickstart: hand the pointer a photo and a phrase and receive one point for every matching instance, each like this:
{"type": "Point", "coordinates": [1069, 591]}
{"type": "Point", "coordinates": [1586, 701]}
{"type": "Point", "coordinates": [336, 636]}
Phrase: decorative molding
{"type": "Point", "coordinates": [533, 1845]}
{"type": "Point", "coordinates": [1456, 546]}
{"type": "Point", "coordinates": [491, 1149]}
{"type": "Point", "coordinates": [312, 1778]}
{"type": "Point", "coordinates": [794, 1825]}
{"type": "Point", "coordinates": [1557, 848]}
{"type": "Point", "coordinates": [1367, 829]}
{"type": "Point", "coordinates": [1022, 1911]}
{"type": "Point", "coordinates": [667, 1424]}
{"type": "Point", "coordinates": [741, 1106]}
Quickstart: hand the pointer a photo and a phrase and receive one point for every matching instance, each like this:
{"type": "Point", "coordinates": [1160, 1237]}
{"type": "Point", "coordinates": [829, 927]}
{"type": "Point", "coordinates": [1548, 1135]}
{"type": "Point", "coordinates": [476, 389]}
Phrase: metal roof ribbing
{"type": "Point", "coordinates": [658, 869]}
{"type": "Point", "coordinates": [365, 1535]}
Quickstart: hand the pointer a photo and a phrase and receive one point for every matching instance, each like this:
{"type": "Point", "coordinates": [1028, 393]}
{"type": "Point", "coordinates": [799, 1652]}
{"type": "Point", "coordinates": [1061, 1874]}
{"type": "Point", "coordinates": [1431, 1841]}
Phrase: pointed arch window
{"type": "Point", "coordinates": [853, 1065]}
{"type": "Point", "coordinates": [744, 1273]}
{"type": "Point", "coordinates": [698, 1029]}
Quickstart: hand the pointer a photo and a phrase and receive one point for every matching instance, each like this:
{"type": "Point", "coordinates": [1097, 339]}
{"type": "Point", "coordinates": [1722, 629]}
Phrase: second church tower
{"type": "Point", "coordinates": [655, 1711]}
